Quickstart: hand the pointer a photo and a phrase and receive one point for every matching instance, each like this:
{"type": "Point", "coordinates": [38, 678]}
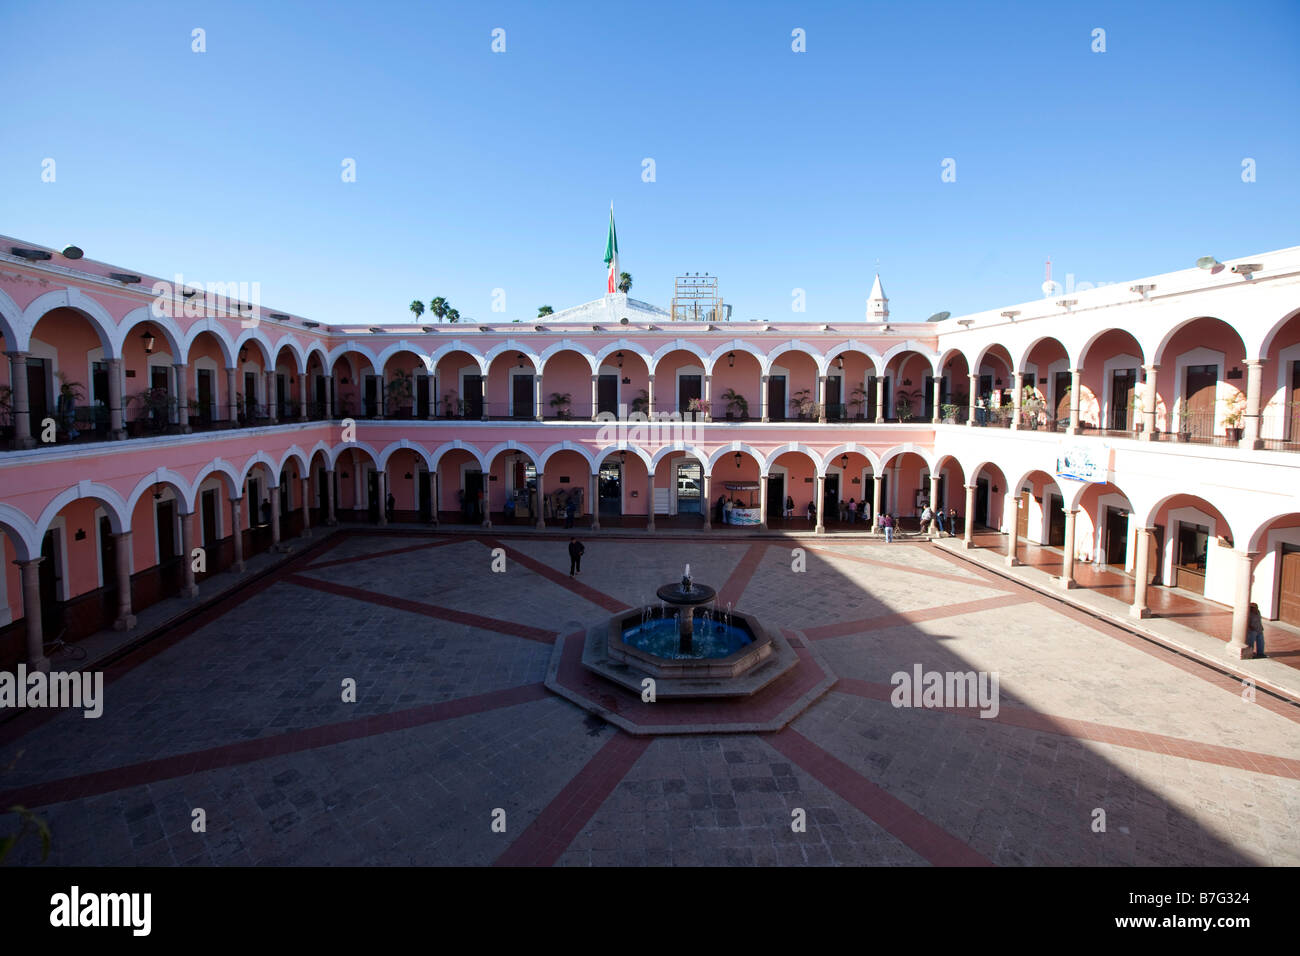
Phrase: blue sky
{"type": "Point", "coordinates": [775, 170]}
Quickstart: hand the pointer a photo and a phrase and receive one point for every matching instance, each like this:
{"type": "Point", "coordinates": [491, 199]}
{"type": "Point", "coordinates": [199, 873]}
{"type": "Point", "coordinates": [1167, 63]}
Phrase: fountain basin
{"type": "Point", "coordinates": [623, 633]}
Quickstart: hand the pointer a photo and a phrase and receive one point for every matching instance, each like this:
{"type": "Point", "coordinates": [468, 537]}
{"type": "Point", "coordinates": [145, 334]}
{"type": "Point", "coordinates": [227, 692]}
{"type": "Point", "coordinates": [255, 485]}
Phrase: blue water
{"type": "Point", "coordinates": [712, 639]}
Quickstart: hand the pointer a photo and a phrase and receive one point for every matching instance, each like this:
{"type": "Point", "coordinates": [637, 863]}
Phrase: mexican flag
{"type": "Point", "coordinates": [611, 253]}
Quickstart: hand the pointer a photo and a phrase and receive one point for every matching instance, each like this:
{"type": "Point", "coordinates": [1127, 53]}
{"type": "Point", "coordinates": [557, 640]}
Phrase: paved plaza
{"type": "Point", "coordinates": [240, 712]}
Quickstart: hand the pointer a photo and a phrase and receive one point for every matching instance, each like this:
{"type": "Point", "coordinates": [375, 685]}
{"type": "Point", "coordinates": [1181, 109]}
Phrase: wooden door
{"type": "Point", "coordinates": [1123, 383]}
{"type": "Point", "coordinates": [1293, 434]}
{"type": "Point", "coordinates": [1055, 521]}
{"type": "Point", "coordinates": [1288, 604]}
{"type": "Point", "coordinates": [204, 386]}
{"type": "Point", "coordinates": [1201, 384]}
{"type": "Point", "coordinates": [776, 398]}
{"type": "Point", "coordinates": [688, 387]}
{"type": "Point", "coordinates": [1061, 396]}
{"type": "Point", "coordinates": [521, 392]}
{"type": "Point", "coordinates": [1116, 537]}
{"type": "Point", "coordinates": [1022, 515]}
{"type": "Point", "coordinates": [607, 394]}
{"type": "Point", "coordinates": [473, 397]}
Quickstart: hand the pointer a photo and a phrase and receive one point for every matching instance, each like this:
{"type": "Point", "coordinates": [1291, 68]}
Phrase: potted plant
{"type": "Point", "coordinates": [948, 413]}
{"type": "Point", "coordinates": [903, 400]}
{"type": "Point", "coordinates": [1184, 420]}
{"type": "Point", "coordinates": [735, 401]}
{"type": "Point", "coordinates": [66, 404]}
{"type": "Point", "coordinates": [1031, 407]}
{"type": "Point", "coordinates": [562, 403]}
{"type": "Point", "coordinates": [642, 402]}
{"type": "Point", "coordinates": [858, 400]}
{"type": "Point", "coordinates": [1233, 415]}
{"type": "Point", "coordinates": [697, 408]}
{"type": "Point", "coordinates": [801, 402]}
{"type": "Point", "coordinates": [400, 390]}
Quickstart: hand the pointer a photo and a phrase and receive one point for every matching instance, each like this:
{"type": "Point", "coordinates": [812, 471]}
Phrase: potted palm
{"type": "Point", "coordinates": [903, 400]}
{"type": "Point", "coordinates": [697, 408]}
{"type": "Point", "coordinates": [737, 406]}
{"type": "Point", "coordinates": [66, 406]}
{"type": "Point", "coordinates": [642, 402]}
{"type": "Point", "coordinates": [562, 402]}
{"type": "Point", "coordinates": [400, 390]}
{"type": "Point", "coordinates": [1233, 415]}
{"type": "Point", "coordinates": [858, 400]}
{"type": "Point", "coordinates": [801, 403]}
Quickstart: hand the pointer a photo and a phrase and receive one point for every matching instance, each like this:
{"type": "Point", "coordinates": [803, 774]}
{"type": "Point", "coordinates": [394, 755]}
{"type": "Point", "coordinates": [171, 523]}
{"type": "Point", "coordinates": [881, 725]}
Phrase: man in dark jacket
{"type": "Point", "coordinates": [575, 556]}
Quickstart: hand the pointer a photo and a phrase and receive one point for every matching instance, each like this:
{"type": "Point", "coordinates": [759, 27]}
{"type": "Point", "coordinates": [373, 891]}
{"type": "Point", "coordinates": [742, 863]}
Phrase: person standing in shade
{"type": "Point", "coordinates": [938, 521]}
{"type": "Point", "coordinates": [266, 511]}
{"type": "Point", "coordinates": [481, 508]}
{"type": "Point", "coordinates": [1255, 631]}
{"type": "Point", "coordinates": [952, 522]}
{"type": "Point", "coordinates": [887, 523]}
{"type": "Point", "coordinates": [390, 506]}
{"type": "Point", "coordinates": [576, 550]}
{"type": "Point", "coordinates": [927, 520]}
{"type": "Point", "coordinates": [570, 512]}
{"type": "Point", "coordinates": [789, 507]}
{"type": "Point", "coordinates": [853, 511]}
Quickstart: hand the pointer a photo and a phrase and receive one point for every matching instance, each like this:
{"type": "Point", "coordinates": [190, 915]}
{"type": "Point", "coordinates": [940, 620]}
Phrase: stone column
{"type": "Point", "coordinates": [650, 395]}
{"type": "Point", "coordinates": [595, 395]}
{"type": "Point", "coordinates": [541, 501]}
{"type": "Point", "coordinates": [538, 414]}
{"type": "Point", "coordinates": [708, 399]}
{"type": "Point", "coordinates": [116, 425]}
{"type": "Point", "coordinates": [1016, 389]}
{"type": "Point", "coordinates": [274, 491]}
{"type": "Point", "coordinates": [182, 397]}
{"type": "Point", "coordinates": [762, 502]}
{"type": "Point", "coordinates": [329, 388]}
{"type": "Point", "coordinates": [1250, 437]}
{"type": "Point", "coordinates": [1012, 517]}
{"type": "Point", "coordinates": [762, 398]}
{"type": "Point", "coordinates": [237, 534]}
{"type": "Point", "coordinates": [329, 498]}
{"type": "Point", "coordinates": [1075, 379]}
{"type": "Point", "coordinates": [877, 481]}
{"type": "Point", "coordinates": [595, 502]}
{"type": "Point", "coordinates": [968, 519]}
{"type": "Point", "coordinates": [272, 404]}
{"type": "Point", "coordinates": [36, 659]}
{"type": "Point", "coordinates": [19, 400]}
{"type": "Point", "coordinates": [821, 399]}
{"type": "Point", "coordinates": [189, 589]}
{"type": "Point", "coordinates": [820, 505]}
{"type": "Point", "coordinates": [1141, 571]}
{"type": "Point", "coordinates": [1149, 403]}
{"type": "Point", "coordinates": [122, 545]}
{"type": "Point", "coordinates": [934, 501]}
{"type": "Point", "coordinates": [708, 504]}
{"type": "Point", "coordinates": [1067, 562]}
{"type": "Point", "coordinates": [974, 382]}
{"type": "Point", "coordinates": [437, 496]}
{"type": "Point", "coordinates": [306, 506]}
{"type": "Point", "coordinates": [232, 392]}
{"type": "Point", "coordinates": [880, 398]}
{"type": "Point", "coordinates": [1236, 646]}
{"type": "Point", "coordinates": [303, 395]}
{"type": "Point", "coordinates": [381, 489]}
{"type": "Point", "coordinates": [938, 394]}
{"type": "Point", "coordinates": [650, 500]}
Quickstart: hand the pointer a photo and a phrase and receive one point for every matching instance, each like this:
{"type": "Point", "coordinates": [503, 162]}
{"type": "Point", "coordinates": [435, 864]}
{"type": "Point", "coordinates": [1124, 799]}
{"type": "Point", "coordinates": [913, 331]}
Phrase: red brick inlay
{"type": "Point", "coordinates": [428, 610]}
{"type": "Point", "coordinates": [371, 555]}
{"type": "Point", "coordinates": [556, 576]}
{"type": "Point", "coordinates": [279, 745]}
{"type": "Point", "coordinates": [926, 838]}
{"type": "Point", "coordinates": [899, 618]}
{"type": "Point", "coordinates": [731, 591]}
{"type": "Point", "coordinates": [550, 834]}
{"type": "Point", "coordinates": [1012, 716]}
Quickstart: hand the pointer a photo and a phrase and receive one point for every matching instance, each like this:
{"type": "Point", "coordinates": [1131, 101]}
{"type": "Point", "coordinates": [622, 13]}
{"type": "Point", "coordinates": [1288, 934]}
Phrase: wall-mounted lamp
{"type": "Point", "coordinates": [731, 360]}
{"type": "Point", "coordinates": [839, 363]}
{"type": "Point", "coordinates": [619, 356]}
{"type": "Point", "coordinates": [844, 461]}
{"type": "Point", "coordinates": [243, 354]}
{"type": "Point", "coordinates": [519, 356]}
{"type": "Point", "coordinates": [147, 338]}
{"type": "Point", "coordinates": [738, 458]}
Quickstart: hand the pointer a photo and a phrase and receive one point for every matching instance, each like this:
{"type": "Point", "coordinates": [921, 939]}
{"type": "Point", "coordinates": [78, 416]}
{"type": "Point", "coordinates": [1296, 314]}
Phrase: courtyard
{"type": "Point", "coordinates": [455, 752]}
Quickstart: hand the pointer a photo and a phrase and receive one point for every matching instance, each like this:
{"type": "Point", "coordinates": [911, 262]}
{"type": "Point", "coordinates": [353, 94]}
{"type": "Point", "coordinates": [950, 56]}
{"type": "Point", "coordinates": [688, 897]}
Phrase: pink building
{"type": "Point", "coordinates": [1152, 426]}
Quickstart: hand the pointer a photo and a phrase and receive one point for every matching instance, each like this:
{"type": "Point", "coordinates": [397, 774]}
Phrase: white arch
{"type": "Point", "coordinates": [11, 322]}
{"type": "Point", "coordinates": [162, 476]}
{"type": "Point", "coordinates": [1027, 350]}
{"type": "Point", "coordinates": [381, 360]}
{"type": "Point", "coordinates": [456, 345]}
{"type": "Point", "coordinates": [904, 448]}
{"type": "Point", "coordinates": [736, 345]}
{"type": "Point", "coordinates": [71, 298]}
{"type": "Point", "coordinates": [606, 450]}
{"type": "Point", "coordinates": [674, 448]}
{"type": "Point", "coordinates": [1086, 346]}
{"type": "Point", "coordinates": [736, 446]}
{"type": "Point", "coordinates": [27, 543]}
{"type": "Point", "coordinates": [435, 460]}
{"type": "Point", "coordinates": [171, 332]}
{"type": "Point", "coordinates": [395, 447]}
{"type": "Point", "coordinates": [339, 449]}
{"type": "Point", "coordinates": [565, 345]}
{"type": "Point", "coordinates": [119, 515]}
{"type": "Point", "coordinates": [853, 345]}
{"type": "Point", "coordinates": [911, 346]}
{"type": "Point", "coordinates": [593, 465]}
{"type": "Point", "coordinates": [794, 446]}
{"type": "Point", "coordinates": [852, 447]}
{"type": "Point", "coordinates": [794, 345]}
{"type": "Point", "coordinates": [295, 451]}
{"type": "Point", "coordinates": [510, 345]}
{"type": "Point", "coordinates": [317, 348]}
{"type": "Point", "coordinates": [258, 338]}
{"type": "Point", "coordinates": [263, 458]}
{"type": "Point", "coordinates": [1158, 353]}
{"type": "Point", "coordinates": [219, 331]}
{"type": "Point", "coordinates": [983, 354]}
{"type": "Point", "coordinates": [320, 447]}
{"type": "Point", "coordinates": [673, 346]}
{"type": "Point", "coordinates": [350, 346]}
{"type": "Point", "coordinates": [289, 341]}
{"type": "Point", "coordinates": [218, 466]}
{"type": "Point", "coordinates": [1150, 510]}
{"type": "Point", "coordinates": [622, 345]}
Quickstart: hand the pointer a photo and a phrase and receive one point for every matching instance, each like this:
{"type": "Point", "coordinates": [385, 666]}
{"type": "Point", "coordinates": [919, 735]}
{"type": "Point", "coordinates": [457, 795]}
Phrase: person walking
{"type": "Point", "coordinates": [844, 511]}
{"type": "Point", "coordinates": [853, 511]}
{"type": "Point", "coordinates": [812, 512]}
{"type": "Point", "coordinates": [719, 510]}
{"type": "Point", "coordinates": [1255, 631]}
{"type": "Point", "coordinates": [927, 520]}
{"type": "Point", "coordinates": [887, 523]}
{"type": "Point", "coordinates": [938, 521]}
{"type": "Point", "coordinates": [576, 550]}
{"type": "Point", "coordinates": [390, 506]}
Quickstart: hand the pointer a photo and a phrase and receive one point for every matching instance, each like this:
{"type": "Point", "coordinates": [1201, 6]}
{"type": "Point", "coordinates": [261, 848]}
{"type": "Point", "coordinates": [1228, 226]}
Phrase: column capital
{"type": "Point", "coordinates": [1077, 370]}
{"type": "Point", "coordinates": [121, 534]}
{"type": "Point", "coordinates": [17, 355]}
{"type": "Point", "coordinates": [23, 563]}
{"type": "Point", "coordinates": [1251, 363]}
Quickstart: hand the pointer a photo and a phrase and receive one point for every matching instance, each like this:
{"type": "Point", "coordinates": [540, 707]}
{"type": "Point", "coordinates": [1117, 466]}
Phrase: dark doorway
{"type": "Point", "coordinates": [871, 397]}
{"type": "Point", "coordinates": [211, 523]}
{"type": "Point", "coordinates": [372, 495]}
{"type": "Point", "coordinates": [107, 555]}
{"type": "Point", "coordinates": [1116, 543]}
{"type": "Point", "coordinates": [981, 516]}
{"type": "Point", "coordinates": [203, 385]}
{"type": "Point", "coordinates": [169, 565]}
{"type": "Point", "coordinates": [928, 398]}
{"type": "Point", "coordinates": [371, 396]}
{"type": "Point", "coordinates": [99, 394]}
{"type": "Point", "coordinates": [422, 391]}
{"type": "Point", "coordinates": [607, 394]}
{"type": "Point", "coordinates": [776, 398]}
{"type": "Point", "coordinates": [1190, 549]}
{"type": "Point", "coordinates": [834, 397]}
{"type": "Point", "coordinates": [1293, 434]}
{"type": "Point", "coordinates": [610, 488]}
{"type": "Point", "coordinates": [473, 485]}
{"type": "Point", "coordinates": [1123, 385]}
{"type": "Point", "coordinates": [1055, 521]}
{"type": "Point", "coordinates": [426, 496]}
{"type": "Point", "coordinates": [37, 401]}
{"type": "Point", "coordinates": [689, 387]}
{"type": "Point", "coordinates": [1202, 384]}
{"type": "Point", "coordinates": [250, 395]}
{"type": "Point", "coordinates": [473, 397]}
{"type": "Point", "coordinates": [1061, 396]}
{"type": "Point", "coordinates": [281, 403]}
{"type": "Point", "coordinates": [49, 576]}
{"type": "Point", "coordinates": [521, 393]}
{"type": "Point", "coordinates": [831, 499]}
{"type": "Point", "coordinates": [775, 496]}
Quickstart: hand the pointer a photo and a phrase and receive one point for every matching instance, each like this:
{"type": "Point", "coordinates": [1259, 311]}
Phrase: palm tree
{"type": "Point", "coordinates": [545, 310]}
{"type": "Point", "coordinates": [453, 315]}
{"type": "Point", "coordinates": [417, 309]}
{"type": "Point", "coordinates": [438, 307]}
{"type": "Point", "coordinates": [625, 282]}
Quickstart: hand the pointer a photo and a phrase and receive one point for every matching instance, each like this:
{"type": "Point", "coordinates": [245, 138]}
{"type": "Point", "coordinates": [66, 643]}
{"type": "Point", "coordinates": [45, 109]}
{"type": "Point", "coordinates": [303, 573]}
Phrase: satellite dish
{"type": "Point", "coordinates": [1207, 262]}
{"type": "Point", "coordinates": [939, 317]}
{"type": "Point", "coordinates": [72, 252]}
